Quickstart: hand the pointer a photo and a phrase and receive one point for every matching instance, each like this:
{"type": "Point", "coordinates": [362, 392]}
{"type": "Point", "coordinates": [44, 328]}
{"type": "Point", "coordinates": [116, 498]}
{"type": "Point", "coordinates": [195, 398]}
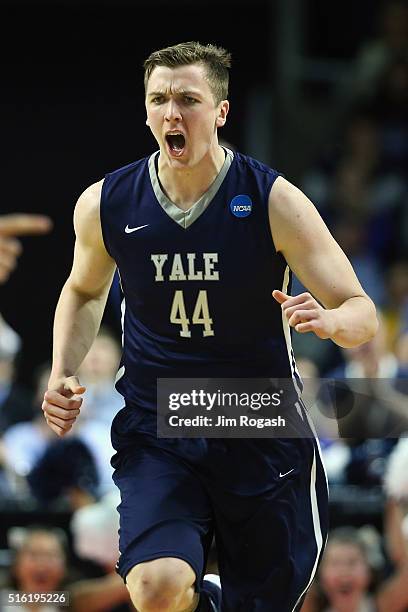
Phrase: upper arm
{"type": "Point", "coordinates": [311, 252]}
{"type": "Point", "coordinates": [93, 268]}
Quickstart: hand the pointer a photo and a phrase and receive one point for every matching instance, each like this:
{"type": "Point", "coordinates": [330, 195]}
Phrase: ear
{"type": "Point", "coordinates": [147, 121]}
{"type": "Point", "coordinates": [223, 109]}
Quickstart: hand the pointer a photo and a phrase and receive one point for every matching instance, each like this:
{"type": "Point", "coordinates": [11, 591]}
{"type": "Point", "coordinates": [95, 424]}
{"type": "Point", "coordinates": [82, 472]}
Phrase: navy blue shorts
{"type": "Point", "coordinates": [264, 499]}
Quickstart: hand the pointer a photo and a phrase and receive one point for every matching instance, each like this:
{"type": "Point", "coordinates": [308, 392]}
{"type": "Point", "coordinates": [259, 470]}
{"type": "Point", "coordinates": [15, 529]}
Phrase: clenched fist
{"type": "Point", "coordinates": [305, 314]}
{"type": "Point", "coordinates": [61, 404]}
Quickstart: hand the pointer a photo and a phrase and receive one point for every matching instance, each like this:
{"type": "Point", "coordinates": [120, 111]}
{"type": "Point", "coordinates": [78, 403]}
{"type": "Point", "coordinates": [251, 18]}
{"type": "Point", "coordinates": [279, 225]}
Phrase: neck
{"type": "Point", "coordinates": [185, 186]}
{"type": "Point", "coordinates": [355, 605]}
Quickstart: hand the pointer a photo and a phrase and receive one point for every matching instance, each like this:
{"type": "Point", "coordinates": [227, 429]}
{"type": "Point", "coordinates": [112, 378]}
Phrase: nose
{"type": "Point", "coordinates": [172, 111]}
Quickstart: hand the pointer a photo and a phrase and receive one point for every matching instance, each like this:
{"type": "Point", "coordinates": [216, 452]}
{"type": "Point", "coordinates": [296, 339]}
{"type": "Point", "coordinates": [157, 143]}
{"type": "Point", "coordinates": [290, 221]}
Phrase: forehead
{"type": "Point", "coordinates": [41, 541]}
{"type": "Point", "coordinates": [182, 78]}
{"type": "Point", "coordinates": [343, 549]}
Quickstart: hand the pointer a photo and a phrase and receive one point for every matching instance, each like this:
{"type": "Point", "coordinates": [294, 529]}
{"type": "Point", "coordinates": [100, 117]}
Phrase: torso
{"type": "Point", "coordinates": [197, 284]}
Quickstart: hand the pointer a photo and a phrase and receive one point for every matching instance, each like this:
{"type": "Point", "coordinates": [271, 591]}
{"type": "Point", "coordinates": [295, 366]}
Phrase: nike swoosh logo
{"type": "Point", "coordinates": [129, 230]}
{"type": "Point", "coordinates": [286, 473]}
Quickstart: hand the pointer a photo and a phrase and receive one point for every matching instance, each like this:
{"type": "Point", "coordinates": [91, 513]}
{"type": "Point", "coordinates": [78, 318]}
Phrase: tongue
{"type": "Point", "coordinates": [176, 142]}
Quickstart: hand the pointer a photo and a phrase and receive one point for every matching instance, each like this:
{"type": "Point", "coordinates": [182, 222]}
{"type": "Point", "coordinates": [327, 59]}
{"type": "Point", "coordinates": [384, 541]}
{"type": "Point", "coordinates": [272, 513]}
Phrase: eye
{"type": "Point", "coordinates": [157, 99]}
{"type": "Point", "coordinates": [190, 100]}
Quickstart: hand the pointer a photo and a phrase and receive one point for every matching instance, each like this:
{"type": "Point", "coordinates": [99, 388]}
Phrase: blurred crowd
{"type": "Point", "coordinates": [358, 397]}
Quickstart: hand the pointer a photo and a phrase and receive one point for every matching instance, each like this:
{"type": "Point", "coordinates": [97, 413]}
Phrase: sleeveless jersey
{"type": "Point", "coordinates": [197, 285]}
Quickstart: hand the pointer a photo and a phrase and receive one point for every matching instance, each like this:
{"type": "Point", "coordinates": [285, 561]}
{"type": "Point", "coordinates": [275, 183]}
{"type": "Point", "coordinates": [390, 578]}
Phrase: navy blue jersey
{"type": "Point", "coordinates": [198, 284]}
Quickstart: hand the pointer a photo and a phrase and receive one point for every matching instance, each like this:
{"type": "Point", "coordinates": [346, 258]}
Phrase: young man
{"type": "Point", "coordinates": [203, 239]}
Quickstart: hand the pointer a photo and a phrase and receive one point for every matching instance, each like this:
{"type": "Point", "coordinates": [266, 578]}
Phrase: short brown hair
{"type": "Point", "coordinates": [216, 61]}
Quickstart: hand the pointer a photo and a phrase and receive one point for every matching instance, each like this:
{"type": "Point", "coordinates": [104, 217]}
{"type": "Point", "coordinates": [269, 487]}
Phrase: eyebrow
{"type": "Point", "coordinates": [182, 92]}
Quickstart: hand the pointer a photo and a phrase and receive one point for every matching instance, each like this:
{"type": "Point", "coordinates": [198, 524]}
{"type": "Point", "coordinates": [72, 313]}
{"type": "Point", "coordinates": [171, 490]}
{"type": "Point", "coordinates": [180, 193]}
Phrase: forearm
{"type": "Point", "coordinates": [98, 594]}
{"type": "Point", "coordinates": [355, 322]}
{"type": "Point", "coordinates": [393, 594]}
{"type": "Point", "coordinates": [77, 320]}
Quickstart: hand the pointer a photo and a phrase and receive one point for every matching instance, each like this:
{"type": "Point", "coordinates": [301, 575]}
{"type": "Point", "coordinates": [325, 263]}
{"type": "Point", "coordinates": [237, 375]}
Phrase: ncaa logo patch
{"type": "Point", "coordinates": [241, 206]}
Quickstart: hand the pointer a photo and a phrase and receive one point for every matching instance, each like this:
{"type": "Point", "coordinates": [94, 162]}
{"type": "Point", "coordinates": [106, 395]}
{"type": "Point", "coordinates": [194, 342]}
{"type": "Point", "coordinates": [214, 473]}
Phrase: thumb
{"type": "Point", "coordinates": [279, 296]}
{"type": "Point", "coordinates": [72, 384]}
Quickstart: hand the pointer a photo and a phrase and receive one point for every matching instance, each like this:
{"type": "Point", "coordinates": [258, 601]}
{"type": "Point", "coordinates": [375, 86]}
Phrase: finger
{"type": "Point", "coordinates": [8, 261]}
{"type": "Point", "coordinates": [54, 398]}
{"type": "Point", "coordinates": [279, 296]}
{"type": "Point", "coordinates": [5, 270]}
{"type": "Point", "coordinates": [21, 224]}
{"type": "Point", "coordinates": [58, 430]}
{"type": "Point", "coordinates": [72, 384]}
{"type": "Point", "coordinates": [296, 300]}
{"type": "Point", "coordinates": [4, 274]}
{"type": "Point", "coordinates": [308, 305]}
{"type": "Point", "coordinates": [61, 413]}
{"type": "Point", "coordinates": [9, 246]}
{"type": "Point", "coordinates": [65, 425]}
{"type": "Point", "coordinates": [301, 316]}
{"type": "Point", "coordinates": [303, 328]}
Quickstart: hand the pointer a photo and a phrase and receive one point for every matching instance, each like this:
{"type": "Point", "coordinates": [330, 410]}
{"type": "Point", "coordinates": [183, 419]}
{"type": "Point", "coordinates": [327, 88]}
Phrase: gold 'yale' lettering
{"type": "Point", "coordinates": [182, 263]}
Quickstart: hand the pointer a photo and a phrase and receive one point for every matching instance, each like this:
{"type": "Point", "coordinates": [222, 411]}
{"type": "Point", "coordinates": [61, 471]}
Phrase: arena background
{"type": "Point", "coordinates": [72, 107]}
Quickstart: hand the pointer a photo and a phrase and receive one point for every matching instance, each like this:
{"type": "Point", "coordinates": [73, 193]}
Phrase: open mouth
{"type": "Point", "coordinates": [345, 589]}
{"type": "Point", "coordinates": [176, 143]}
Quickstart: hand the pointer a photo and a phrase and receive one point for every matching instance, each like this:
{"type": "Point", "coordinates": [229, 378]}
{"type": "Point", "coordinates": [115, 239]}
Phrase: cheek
{"type": "Point", "coordinates": [24, 568]}
{"type": "Point", "coordinates": [152, 120]}
{"type": "Point", "coordinates": [328, 578]}
{"type": "Point", "coordinates": [58, 570]}
{"type": "Point", "coordinates": [362, 578]}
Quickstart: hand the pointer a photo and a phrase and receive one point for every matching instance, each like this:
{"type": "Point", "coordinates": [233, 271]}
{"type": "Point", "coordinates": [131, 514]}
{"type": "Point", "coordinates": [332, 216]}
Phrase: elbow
{"type": "Point", "coordinates": [364, 328]}
{"type": "Point", "coordinates": [371, 324]}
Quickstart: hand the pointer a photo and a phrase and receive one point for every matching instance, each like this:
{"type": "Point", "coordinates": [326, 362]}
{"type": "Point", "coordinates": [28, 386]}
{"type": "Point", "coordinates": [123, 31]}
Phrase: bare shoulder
{"type": "Point", "coordinates": [282, 187]}
{"type": "Point", "coordinates": [293, 217]}
{"type": "Point", "coordinates": [87, 214]}
{"type": "Point", "coordinates": [286, 198]}
{"type": "Point", "coordinates": [89, 202]}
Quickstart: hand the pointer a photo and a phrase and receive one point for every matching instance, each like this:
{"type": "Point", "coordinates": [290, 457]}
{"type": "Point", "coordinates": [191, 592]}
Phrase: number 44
{"type": "Point", "coordinates": [201, 314]}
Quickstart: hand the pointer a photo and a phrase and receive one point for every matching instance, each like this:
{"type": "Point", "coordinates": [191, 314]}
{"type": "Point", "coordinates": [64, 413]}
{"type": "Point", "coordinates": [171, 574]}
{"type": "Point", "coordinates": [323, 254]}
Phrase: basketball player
{"type": "Point", "coordinates": [204, 239]}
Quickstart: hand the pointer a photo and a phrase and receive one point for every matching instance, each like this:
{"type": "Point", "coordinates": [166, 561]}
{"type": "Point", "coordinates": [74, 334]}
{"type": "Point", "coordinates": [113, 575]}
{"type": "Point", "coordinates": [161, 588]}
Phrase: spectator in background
{"type": "Point", "coordinates": [101, 403]}
{"type": "Point", "coordinates": [370, 409]}
{"type": "Point", "coordinates": [351, 234]}
{"type": "Point", "coordinates": [98, 371]}
{"type": "Point", "coordinates": [396, 490]}
{"type": "Point", "coordinates": [349, 576]}
{"type": "Point", "coordinates": [372, 370]}
{"type": "Point", "coordinates": [395, 312]}
{"type": "Point", "coordinates": [336, 452]}
{"type": "Point", "coordinates": [345, 573]}
{"type": "Point", "coordinates": [12, 226]}
{"type": "Point", "coordinates": [24, 442]}
{"type": "Point", "coordinates": [352, 182]}
{"type": "Point", "coordinates": [39, 565]}
{"type": "Point", "coordinates": [95, 535]}
{"type": "Point", "coordinates": [395, 589]}
{"type": "Point", "coordinates": [390, 107]}
{"type": "Point", "coordinates": [15, 402]}
{"type": "Point", "coordinates": [27, 436]}
{"type": "Point", "coordinates": [376, 55]}
{"type": "Point", "coordinates": [401, 351]}
{"type": "Point", "coordinates": [66, 470]}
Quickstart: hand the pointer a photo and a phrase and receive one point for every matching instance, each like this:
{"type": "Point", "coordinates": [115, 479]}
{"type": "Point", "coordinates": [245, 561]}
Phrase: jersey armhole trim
{"type": "Point", "coordinates": [101, 218]}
